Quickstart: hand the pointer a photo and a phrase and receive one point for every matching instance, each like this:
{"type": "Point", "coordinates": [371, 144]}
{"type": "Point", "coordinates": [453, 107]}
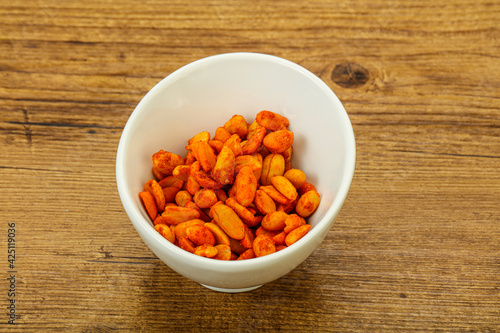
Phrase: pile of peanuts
{"type": "Point", "coordinates": [234, 196]}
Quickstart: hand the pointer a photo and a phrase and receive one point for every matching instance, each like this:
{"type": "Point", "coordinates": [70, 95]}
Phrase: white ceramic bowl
{"type": "Point", "coordinates": [202, 96]}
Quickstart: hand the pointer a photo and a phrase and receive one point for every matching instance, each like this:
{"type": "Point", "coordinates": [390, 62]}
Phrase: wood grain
{"type": "Point", "coordinates": [416, 245]}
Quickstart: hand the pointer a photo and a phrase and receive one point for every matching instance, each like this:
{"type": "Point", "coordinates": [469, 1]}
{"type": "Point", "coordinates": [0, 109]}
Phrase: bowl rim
{"type": "Point", "coordinates": [331, 213]}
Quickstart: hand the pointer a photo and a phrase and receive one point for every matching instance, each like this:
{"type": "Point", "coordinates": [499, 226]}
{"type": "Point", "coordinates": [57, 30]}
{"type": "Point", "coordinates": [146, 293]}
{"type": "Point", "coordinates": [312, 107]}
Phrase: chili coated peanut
{"type": "Point", "coordinates": [246, 186]}
{"type": "Point", "coordinates": [274, 221]}
{"type": "Point", "coordinates": [272, 165]}
{"type": "Point", "coordinates": [205, 198]}
{"type": "Point", "coordinates": [170, 193]}
{"type": "Point", "coordinates": [185, 244]}
{"type": "Point", "coordinates": [248, 254]}
{"type": "Point", "coordinates": [220, 236]}
{"type": "Point", "coordinates": [237, 125]}
{"type": "Point", "coordinates": [165, 162]}
{"type": "Point", "coordinates": [263, 245]}
{"type": "Point", "coordinates": [228, 220]}
{"type": "Point", "coordinates": [223, 252]}
{"type": "Point", "coordinates": [199, 235]}
{"type": "Point", "coordinates": [156, 191]}
{"type": "Point", "coordinates": [271, 121]}
{"type": "Point", "coordinates": [171, 181]}
{"type": "Point", "coordinates": [279, 141]}
{"type": "Point", "coordinates": [149, 203]}
{"type": "Point", "coordinates": [264, 203]}
{"type": "Point", "coordinates": [296, 177]}
{"type": "Point", "coordinates": [307, 203]}
{"type": "Point", "coordinates": [285, 187]}
{"type": "Point", "coordinates": [234, 196]}
{"type": "Point", "coordinates": [166, 231]}
{"type": "Point", "coordinates": [223, 171]}
{"type": "Point", "coordinates": [293, 221]}
{"type": "Point", "coordinates": [206, 250]}
{"type": "Point", "coordinates": [180, 229]}
{"type": "Point", "coordinates": [297, 234]}
{"type": "Point", "coordinates": [176, 215]}
{"type": "Point", "coordinates": [221, 134]}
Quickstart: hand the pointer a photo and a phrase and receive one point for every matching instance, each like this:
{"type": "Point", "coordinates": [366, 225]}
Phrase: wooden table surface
{"type": "Point", "coordinates": [416, 246]}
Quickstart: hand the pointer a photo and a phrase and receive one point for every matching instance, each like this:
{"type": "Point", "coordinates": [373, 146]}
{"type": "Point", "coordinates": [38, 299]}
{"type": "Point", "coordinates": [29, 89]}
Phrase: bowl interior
{"type": "Point", "coordinates": [205, 94]}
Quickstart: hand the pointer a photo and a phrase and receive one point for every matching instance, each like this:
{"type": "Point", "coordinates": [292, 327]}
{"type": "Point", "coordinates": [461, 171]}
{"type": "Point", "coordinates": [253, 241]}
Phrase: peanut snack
{"type": "Point", "coordinates": [235, 196]}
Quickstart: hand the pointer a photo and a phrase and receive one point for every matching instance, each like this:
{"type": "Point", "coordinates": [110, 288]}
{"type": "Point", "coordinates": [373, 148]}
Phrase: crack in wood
{"type": "Point", "coordinates": [28, 123]}
{"type": "Point", "coordinates": [443, 154]}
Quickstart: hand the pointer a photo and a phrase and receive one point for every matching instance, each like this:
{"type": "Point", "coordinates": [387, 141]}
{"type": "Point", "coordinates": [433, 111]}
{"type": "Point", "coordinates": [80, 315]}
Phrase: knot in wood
{"type": "Point", "coordinates": [350, 75]}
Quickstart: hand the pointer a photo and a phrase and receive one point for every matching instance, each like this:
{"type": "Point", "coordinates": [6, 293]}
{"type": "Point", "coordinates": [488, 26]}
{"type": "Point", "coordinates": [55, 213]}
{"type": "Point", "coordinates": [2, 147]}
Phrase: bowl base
{"type": "Point", "coordinates": [225, 290]}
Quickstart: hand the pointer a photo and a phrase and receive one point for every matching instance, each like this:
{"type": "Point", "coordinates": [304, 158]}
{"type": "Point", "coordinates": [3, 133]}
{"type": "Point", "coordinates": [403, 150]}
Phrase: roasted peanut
{"type": "Point", "coordinates": [248, 254]}
{"type": "Point", "coordinates": [157, 192]}
{"type": "Point", "coordinates": [307, 203]}
{"type": "Point", "coordinates": [170, 193]}
{"type": "Point", "coordinates": [237, 125]}
{"type": "Point", "coordinates": [166, 231]}
{"type": "Point", "coordinates": [171, 181]}
{"type": "Point", "coordinates": [247, 160]}
{"type": "Point", "coordinates": [274, 221]}
{"type": "Point", "coordinates": [180, 229]}
{"type": "Point", "coordinates": [271, 121]}
{"type": "Point", "coordinates": [165, 161]}
{"type": "Point", "coordinates": [293, 221]}
{"type": "Point", "coordinates": [297, 234]}
{"type": "Point", "coordinates": [255, 141]}
{"type": "Point", "coordinates": [279, 141]}
{"type": "Point", "coordinates": [176, 215]}
{"type": "Point", "coordinates": [240, 210]}
{"type": "Point", "coordinates": [219, 234]}
{"type": "Point", "coordinates": [186, 244]}
{"type": "Point", "coordinates": [182, 197]}
{"type": "Point", "coordinates": [296, 177]}
{"type": "Point", "coordinates": [228, 220]}
{"type": "Point", "coordinates": [204, 154]}
{"type": "Point", "coordinates": [202, 136]}
{"type": "Point", "coordinates": [221, 134]}
{"type": "Point", "coordinates": [273, 165]}
{"type": "Point", "coordinates": [246, 186]}
{"type": "Point", "coordinates": [264, 203]}
{"type": "Point", "coordinates": [274, 194]}
{"type": "Point", "coordinates": [285, 187]}
{"type": "Point", "coordinates": [223, 252]}
{"type": "Point", "coordinates": [263, 245]}
{"type": "Point", "coordinates": [149, 204]}
{"type": "Point", "coordinates": [199, 235]}
{"type": "Point", "coordinates": [206, 250]}
{"type": "Point", "coordinates": [205, 198]}
{"type": "Point", "coordinates": [223, 172]}
{"type": "Point", "coordinates": [234, 143]}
